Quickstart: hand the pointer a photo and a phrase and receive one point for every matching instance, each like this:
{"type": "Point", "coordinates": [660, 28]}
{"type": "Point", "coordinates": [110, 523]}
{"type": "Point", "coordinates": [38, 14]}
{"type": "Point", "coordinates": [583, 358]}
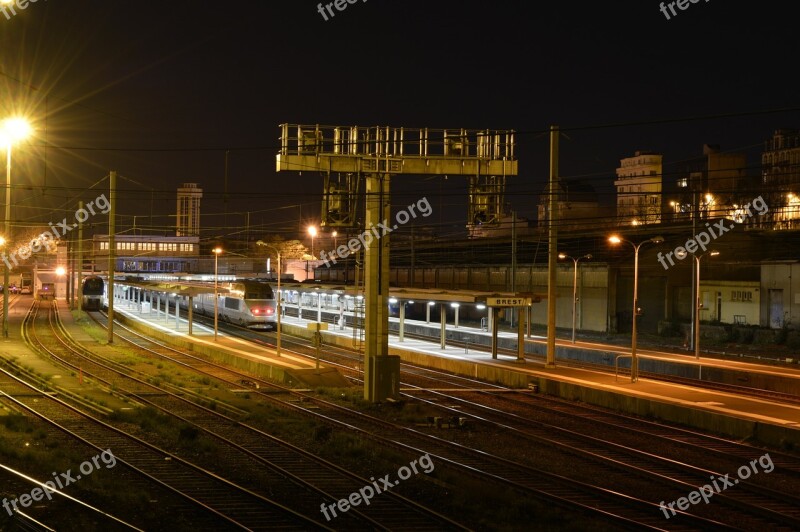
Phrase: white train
{"type": "Point", "coordinates": [247, 303]}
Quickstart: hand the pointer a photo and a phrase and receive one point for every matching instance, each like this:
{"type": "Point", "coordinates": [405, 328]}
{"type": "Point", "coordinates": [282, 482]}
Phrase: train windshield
{"type": "Point", "coordinates": [258, 291]}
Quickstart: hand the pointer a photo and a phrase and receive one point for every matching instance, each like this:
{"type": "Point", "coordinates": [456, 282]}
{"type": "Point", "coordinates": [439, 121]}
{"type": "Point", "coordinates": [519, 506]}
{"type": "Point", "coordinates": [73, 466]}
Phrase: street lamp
{"type": "Point", "coordinates": [614, 239]}
{"type": "Point", "coordinates": [563, 256]}
{"type": "Point", "coordinates": [13, 130]}
{"type": "Point", "coordinates": [698, 306]}
{"type": "Point", "coordinates": [334, 235]}
{"type": "Point", "coordinates": [313, 232]}
{"type": "Point", "coordinates": [217, 251]}
{"type": "Point", "coordinates": [280, 295]}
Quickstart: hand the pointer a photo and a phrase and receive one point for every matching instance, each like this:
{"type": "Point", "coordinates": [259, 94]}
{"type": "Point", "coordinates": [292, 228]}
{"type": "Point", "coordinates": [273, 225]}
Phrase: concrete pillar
{"type": "Point", "coordinates": [521, 333]}
{"type": "Point", "coordinates": [191, 311]}
{"type": "Point", "coordinates": [442, 325]}
{"type": "Point", "coordinates": [529, 313]}
{"type": "Point", "coordinates": [493, 326]}
{"type": "Point", "coordinates": [490, 323]}
{"type": "Point", "coordinates": [177, 313]}
{"type": "Point", "coordinates": [456, 309]}
{"type": "Point", "coordinates": [166, 307]}
{"type": "Point", "coordinates": [319, 308]}
{"type": "Point", "coordinates": [402, 327]}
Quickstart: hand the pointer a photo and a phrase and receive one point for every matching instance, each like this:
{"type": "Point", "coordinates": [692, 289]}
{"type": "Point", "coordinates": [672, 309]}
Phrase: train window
{"type": "Point", "coordinates": [232, 303]}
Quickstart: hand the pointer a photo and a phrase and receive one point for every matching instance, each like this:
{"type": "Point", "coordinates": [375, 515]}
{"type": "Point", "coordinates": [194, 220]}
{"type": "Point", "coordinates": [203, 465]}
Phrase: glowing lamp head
{"type": "Point", "coordinates": [614, 239]}
{"type": "Point", "coordinates": [14, 129]}
{"type": "Point", "coordinates": [562, 256]}
{"type": "Point", "coordinates": [60, 270]}
{"type": "Point", "coordinates": [217, 250]}
{"type": "Point", "coordinates": [312, 231]}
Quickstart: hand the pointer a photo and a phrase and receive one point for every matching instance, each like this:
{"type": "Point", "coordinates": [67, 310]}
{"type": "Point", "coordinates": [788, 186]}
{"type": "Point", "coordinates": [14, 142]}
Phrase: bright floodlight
{"type": "Point", "coordinates": [614, 239]}
{"type": "Point", "coordinates": [2, 241]}
{"type": "Point", "coordinates": [60, 271]}
{"type": "Point", "coordinates": [16, 129]}
{"type": "Point", "coordinates": [217, 250]}
{"type": "Point", "coordinates": [312, 231]}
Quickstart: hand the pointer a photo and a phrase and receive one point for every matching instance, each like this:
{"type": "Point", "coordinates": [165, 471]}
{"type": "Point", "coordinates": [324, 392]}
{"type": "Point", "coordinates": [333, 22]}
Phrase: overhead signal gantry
{"type": "Point", "coordinates": [348, 155]}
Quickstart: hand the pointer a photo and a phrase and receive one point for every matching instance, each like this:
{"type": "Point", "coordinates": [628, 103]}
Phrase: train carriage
{"type": "Point", "coordinates": [247, 303]}
{"type": "Point", "coordinates": [93, 289]}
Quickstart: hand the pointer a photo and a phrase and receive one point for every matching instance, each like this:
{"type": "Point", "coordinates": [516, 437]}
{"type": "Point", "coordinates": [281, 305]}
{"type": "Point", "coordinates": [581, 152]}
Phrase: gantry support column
{"type": "Point", "coordinates": [381, 371]}
{"type": "Point", "coordinates": [552, 265]}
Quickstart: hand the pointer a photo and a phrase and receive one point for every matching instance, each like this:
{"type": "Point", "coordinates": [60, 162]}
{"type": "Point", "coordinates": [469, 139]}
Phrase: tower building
{"type": "Point", "coordinates": [188, 220]}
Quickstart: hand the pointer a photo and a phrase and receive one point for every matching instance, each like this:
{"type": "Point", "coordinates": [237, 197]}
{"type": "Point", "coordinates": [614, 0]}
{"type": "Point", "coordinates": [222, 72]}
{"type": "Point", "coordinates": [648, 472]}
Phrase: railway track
{"type": "Point", "coordinates": [226, 503]}
{"type": "Point", "coordinates": [768, 507]}
{"type": "Point", "coordinates": [302, 480]}
{"type": "Point", "coordinates": [553, 488]}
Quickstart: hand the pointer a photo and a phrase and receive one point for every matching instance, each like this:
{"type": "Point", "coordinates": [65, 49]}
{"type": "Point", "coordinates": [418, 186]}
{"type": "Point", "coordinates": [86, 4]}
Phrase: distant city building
{"type": "Point", "coordinates": [780, 179]}
{"type": "Point", "coordinates": [144, 253]}
{"type": "Point", "coordinates": [577, 206]}
{"type": "Point", "coordinates": [639, 189]}
{"type": "Point", "coordinates": [188, 221]}
{"type": "Point", "coordinates": [715, 186]}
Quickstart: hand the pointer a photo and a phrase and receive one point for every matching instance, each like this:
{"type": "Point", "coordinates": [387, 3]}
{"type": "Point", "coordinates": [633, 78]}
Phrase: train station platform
{"type": "Point", "coordinates": [291, 369]}
{"type": "Point", "coordinates": [737, 416]}
{"type": "Point", "coordinates": [730, 414]}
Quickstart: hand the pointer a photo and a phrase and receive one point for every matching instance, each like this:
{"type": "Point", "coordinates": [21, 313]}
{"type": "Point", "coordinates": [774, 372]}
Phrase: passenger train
{"type": "Point", "coordinates": [248, 303]}
{"type": "Point", "coordinates": [93, 289]}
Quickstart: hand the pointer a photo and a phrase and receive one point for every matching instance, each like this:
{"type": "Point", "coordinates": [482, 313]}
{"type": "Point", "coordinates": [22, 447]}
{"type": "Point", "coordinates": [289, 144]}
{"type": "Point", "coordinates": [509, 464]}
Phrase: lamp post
{"type": "Point", "coordinates": [563, 256]}
{"type": "Point", "coordinates": [217, 251]}
{"type": "Point", "coordinates": [280, 296]}
{"type": "Point", "coordinates": [614, 239]}
{"type": "Point", "coordinates": [14, 129]}
{"type": "Point", "coordinates": [334, 235]}
{"type": "Point", "coordinates": [313, 232]}
{"type": "Point", "coordinates": [698, 306]}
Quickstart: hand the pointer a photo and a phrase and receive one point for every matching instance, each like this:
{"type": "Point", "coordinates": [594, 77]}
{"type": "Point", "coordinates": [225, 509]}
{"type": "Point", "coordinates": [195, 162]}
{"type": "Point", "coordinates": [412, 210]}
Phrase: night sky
{"type": "Point", "coordinates": [162, 91]}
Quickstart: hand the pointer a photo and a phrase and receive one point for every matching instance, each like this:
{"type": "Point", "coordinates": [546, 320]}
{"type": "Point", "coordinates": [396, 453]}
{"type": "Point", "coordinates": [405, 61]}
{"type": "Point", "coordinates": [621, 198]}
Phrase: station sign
{"type": "Point", "coordinates": [508, 301]}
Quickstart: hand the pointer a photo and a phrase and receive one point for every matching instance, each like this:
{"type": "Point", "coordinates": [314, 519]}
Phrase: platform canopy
{"type": "Point", "coordinates": [187, 289]}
